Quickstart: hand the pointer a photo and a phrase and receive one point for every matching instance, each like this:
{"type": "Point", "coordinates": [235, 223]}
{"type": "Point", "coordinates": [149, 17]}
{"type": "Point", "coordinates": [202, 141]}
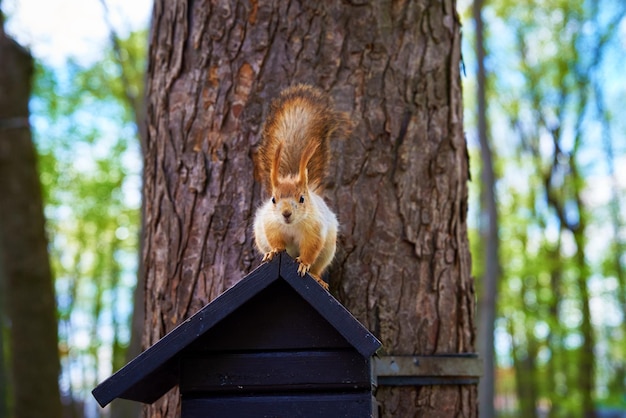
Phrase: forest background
{"type": "Point", "coordinates": [548, 148]}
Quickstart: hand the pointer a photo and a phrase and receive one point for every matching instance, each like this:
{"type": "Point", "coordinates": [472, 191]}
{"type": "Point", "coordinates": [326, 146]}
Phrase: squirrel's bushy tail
{"type": "Point", "coordinates": [300, 118]}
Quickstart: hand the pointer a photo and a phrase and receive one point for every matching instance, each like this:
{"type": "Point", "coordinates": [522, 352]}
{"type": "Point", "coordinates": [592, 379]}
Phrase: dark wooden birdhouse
{"type": "Point", "coordinates": [275, 344]}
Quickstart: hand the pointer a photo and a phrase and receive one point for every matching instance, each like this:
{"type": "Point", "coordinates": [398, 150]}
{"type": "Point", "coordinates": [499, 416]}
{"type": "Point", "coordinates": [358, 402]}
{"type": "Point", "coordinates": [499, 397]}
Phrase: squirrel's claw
{"type": "Point", "coordinates": [302, 268]}
{"type": "Point", "coordinates": [268, 256]}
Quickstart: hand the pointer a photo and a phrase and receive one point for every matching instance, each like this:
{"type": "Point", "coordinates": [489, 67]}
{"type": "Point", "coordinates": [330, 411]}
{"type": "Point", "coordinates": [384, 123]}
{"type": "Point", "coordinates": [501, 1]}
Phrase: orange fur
{"type": "Point", "coordinates": [292, 162]}
{"type": "Point", "coordinates": [300, 117]}
{"type": "Point", "coordinates": [276, 166]}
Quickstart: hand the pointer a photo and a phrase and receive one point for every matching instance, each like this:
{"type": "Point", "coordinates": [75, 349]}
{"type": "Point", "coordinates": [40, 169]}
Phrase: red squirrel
{"type": "Point", "coordinates": [292, 162]}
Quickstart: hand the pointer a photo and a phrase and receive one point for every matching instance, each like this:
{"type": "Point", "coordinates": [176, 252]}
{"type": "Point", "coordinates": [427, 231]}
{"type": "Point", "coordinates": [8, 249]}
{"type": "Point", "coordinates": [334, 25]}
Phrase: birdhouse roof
{"type": "Point", "coordinates": [155, 371]}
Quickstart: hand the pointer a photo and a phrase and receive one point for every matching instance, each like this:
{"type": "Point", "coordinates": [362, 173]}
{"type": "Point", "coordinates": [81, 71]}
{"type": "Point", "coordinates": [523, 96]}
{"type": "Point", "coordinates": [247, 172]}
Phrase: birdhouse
{"type": "Point", "coordinates": [275, 344]}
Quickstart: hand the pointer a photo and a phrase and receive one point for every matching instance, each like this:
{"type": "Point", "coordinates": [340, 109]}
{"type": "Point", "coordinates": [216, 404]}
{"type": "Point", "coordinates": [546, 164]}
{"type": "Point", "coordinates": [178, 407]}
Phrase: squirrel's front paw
{"type": "Point", "coordinates": [302, 268]}
{"type": "Point", "coordinates": [268, 256]}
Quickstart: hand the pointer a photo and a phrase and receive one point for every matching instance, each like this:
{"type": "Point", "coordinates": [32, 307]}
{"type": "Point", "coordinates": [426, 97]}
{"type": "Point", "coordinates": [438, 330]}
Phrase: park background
{"type": "Point", "coordinates": [547, 146]}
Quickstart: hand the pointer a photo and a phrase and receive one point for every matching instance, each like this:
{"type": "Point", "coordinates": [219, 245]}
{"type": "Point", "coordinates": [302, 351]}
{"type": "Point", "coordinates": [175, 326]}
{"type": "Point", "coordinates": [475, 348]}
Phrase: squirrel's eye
{"type": "Point", "coordinates": [273, 200]}
{"type": "Point", "coordinates": [301, 199]}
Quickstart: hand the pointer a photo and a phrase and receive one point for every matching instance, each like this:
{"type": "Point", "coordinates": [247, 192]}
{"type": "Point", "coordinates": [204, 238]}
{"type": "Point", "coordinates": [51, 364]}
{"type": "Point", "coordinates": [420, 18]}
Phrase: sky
{"type": "Point", "coordinates": [55, 30]}
{"type": "Point", "coordinates": [58, 30]}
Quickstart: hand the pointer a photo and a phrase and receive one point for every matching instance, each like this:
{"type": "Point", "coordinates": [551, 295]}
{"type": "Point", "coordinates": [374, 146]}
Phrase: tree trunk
{"type": "Point", "coordinates": [587, 363]}
{"type": "Point", "coordinates": [525, 382]}
{"type": "Point", "coordinates": [127, 64]}
{"type": "Point", "coordinates": [556, 391]}
{"type": "Point", "coordinates": [488, 231]}
{"type": "Point", "coordinates": [30, 300]}
{"type": "Point", "coordinates": [398, 184]}
{"type": "Point", "coordinates": [614, 257]}
{"type": "Point", "coordinates": [4, 373]}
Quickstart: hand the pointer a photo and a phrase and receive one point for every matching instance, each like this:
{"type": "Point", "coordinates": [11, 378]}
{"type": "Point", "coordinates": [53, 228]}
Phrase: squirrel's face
{"type": "Point", "coordinates": [290, 202]}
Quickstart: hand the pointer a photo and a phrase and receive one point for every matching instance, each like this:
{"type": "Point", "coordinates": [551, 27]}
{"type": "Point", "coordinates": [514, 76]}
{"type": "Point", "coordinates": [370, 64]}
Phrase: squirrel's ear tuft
{"type": "Point", "coordinates": [276, 166]}
{"type": "Point", "coordinates": [303, 172]}
{"type": "Point", "coordinates": [303, 178]}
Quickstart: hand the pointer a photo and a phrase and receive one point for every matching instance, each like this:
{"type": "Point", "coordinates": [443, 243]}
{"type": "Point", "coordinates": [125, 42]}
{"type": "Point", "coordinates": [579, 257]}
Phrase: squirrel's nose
{"type": "Point", "coordinates": [287, 214]}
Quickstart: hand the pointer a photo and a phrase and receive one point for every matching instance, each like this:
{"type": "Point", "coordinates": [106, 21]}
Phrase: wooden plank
{"type": "Point", "coordinates": [275, 371]}
{"type": "Point", "coordinates": [135, 381]}
{"type": "Point", "coordinates": [314, 405]}
{"type": "Point", "coordinates": [152, 373]}
{"type": "Point", "coordinates": [275, 319]}
{"type": "Point", "coordinates": [329, 308]}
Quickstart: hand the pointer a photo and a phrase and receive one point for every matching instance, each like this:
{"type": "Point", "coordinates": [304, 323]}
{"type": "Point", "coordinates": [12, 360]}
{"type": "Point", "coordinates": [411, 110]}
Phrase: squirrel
{"type": "Point", "coordinates": [292, 162]}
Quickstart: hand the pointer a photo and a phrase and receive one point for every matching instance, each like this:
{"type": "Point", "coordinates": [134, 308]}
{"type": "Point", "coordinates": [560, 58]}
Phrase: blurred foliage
{"type": "Point", "coordinates": [90, 164]}
{"type": "Point", "coordinates": [554, 92]}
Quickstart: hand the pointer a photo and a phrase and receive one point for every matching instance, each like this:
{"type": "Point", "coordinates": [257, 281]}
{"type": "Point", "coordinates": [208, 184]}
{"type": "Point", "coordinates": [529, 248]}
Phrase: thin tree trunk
{"type": "Point", "coordinates": [524, 366]}
{"type": "Point", "coordinates": [488, 232]}
{"type": "Point", "coordinates": [4, 373]}
{"type": "Point", "coordinates": [122, 408]}
{"type": "Point", "coordinates": [587, 365]}
{"type": "Point", "coordinates": [30, 299]}
{"type": "Point", "coordinates": [618, 249]}
{"type": "Point", "coordinates": [555, 337]}
{"type": "Point", "coordinates": [523, 343]}
{"type": "Point", "coordinates": [398, 184]}
{"type": "Point", "coordinates": [127, 63]}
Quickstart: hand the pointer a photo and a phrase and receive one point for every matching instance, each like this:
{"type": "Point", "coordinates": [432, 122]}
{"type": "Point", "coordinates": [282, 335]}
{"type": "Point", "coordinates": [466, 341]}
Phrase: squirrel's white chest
{"type": "Point", "coordinates": [313, 225]}
{"type": "Point", "coordinates": [292, 239]}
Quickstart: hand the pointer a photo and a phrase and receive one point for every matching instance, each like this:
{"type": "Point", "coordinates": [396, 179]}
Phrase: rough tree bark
{"type": "Point", "coordinates": [31, 307]}
{"type": "Point", "coordinates": [398, 184]}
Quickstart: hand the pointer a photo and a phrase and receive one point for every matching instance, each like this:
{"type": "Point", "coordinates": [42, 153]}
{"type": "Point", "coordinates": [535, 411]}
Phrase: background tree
{"type": "Point", "coordinates": [551, 103]}
{"type": "Point", "coordinates": [556, 143]}
{"type": "Point", "coordinates": [129, 55]}
{"type": "Point", "coordinates": [488, 227]}
{"type": "Point", "coordinates": [4, 373]}
{"type": "Point", "coordinates": [398, 185]}
{"type": "Point", "coordinates": [91, 173]}
{"type": "Point", "coordinates": [28, 282]}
